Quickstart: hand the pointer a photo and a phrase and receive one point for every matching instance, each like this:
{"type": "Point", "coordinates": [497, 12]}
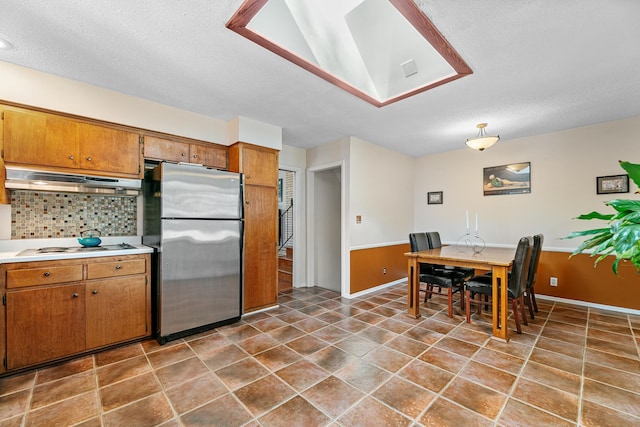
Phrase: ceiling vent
{"type": "Point", "coordinates": [409, 68]}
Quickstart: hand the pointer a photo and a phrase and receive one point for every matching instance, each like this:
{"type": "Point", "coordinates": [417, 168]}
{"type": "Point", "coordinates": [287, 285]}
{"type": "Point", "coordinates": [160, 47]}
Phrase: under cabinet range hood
{"type": "Point", "coordinates": [20, 178]}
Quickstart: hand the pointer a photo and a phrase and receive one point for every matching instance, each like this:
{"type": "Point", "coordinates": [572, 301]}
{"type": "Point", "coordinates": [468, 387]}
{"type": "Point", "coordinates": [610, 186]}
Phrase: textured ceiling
{"type": "Point", "coordinates": [539, 66]}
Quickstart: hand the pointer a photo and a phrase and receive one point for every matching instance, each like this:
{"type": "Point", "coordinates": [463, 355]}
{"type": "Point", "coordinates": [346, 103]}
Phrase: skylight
{"type": "Point", "coordinates": [379, 50]}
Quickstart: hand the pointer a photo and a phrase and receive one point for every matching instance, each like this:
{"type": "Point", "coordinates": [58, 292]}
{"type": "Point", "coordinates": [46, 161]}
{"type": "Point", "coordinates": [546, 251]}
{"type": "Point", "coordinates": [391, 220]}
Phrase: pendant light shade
{"type": "Point", "coordinates": [482, 140]}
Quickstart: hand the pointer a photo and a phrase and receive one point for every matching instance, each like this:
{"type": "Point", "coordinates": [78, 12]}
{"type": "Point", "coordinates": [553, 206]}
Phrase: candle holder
{"type": "Point", "coordinates": [467, 241]}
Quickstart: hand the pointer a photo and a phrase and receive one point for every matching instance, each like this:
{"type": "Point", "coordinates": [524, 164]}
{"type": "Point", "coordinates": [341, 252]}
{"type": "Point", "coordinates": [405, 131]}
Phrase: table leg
{"type": "Point", "coordinates": [413, 288]}
{"type": "Point", "coordinates": [500, 299]}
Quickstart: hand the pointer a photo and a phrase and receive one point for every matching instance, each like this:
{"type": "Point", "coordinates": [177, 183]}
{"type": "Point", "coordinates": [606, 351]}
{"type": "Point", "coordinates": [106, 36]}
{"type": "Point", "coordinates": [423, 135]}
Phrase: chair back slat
{"type": "Point", "coordinates": [434, 239]}
{"type": "Point", "coordinates": [520, 268]}
{"type": "Point", "coordinates": [419, 242]}
{"type": "Point", "coordinates": [535, 258]}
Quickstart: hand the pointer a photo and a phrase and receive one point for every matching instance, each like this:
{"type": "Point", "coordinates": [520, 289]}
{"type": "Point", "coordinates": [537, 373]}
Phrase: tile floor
{"type": "Point", "coordinates": [322, 360]}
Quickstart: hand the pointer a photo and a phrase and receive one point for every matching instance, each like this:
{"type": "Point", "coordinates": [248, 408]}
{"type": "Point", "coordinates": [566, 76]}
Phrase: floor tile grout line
{"type": "Point", "coordinates": [584, 364]}
{"type": "Point", "coordinates": [440, 394]}
{"type": "Point", "coordinates": [522, 368]}
{"type": "Point", "coordinates": [393, 305]}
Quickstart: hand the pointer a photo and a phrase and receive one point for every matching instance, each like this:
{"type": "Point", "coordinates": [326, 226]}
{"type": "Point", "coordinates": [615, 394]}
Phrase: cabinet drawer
{"type": "Point", "coordinates": [116, 268]}
{"type": "Point", "coordinates": [43, 276]}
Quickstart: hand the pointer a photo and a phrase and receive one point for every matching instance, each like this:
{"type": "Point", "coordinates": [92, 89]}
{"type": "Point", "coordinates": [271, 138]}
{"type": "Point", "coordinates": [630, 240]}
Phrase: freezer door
{"type": "Point", "coordinates": [190, 191]}
{"type": "Point", "coordinates": [200, 274]}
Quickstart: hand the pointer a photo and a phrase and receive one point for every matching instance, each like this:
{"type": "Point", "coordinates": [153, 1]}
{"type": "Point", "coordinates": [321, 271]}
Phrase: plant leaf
{"type": "Point", "coordinates": [595, 215]}
{"type": "Point", "coordinates": [587, 232]}
{"type": "Point", "coordinates": [624, 205]}
{"type": "Point", "coordinates": [633, 170]}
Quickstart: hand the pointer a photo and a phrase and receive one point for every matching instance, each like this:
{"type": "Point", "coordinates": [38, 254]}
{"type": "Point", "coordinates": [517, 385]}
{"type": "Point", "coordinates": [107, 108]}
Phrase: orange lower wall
{"type": "Point", "coordinates": [577, 279]}
{"type": "Point", "coordinates": [367, 266]}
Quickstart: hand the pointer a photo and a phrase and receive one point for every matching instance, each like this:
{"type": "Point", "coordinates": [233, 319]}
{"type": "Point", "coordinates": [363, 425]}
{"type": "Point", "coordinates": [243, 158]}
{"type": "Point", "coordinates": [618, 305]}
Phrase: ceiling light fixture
{"type": "Point", "coordinates": [482, 140]}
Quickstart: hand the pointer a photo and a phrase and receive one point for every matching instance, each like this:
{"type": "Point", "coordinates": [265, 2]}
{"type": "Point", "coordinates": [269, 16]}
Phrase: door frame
{"type": "Point", "coordinates": [299, 234]}
{"type": "Point", "coordinates": [311, 241]}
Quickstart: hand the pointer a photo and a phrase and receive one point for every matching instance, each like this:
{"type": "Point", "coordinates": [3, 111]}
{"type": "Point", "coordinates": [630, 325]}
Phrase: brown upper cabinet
{"type": "Point", "coordinates": [258, 164]}
{"type": "Point", "coordinates": [208, 154]}
{"type": "Point", "coordinates": [55, 142]}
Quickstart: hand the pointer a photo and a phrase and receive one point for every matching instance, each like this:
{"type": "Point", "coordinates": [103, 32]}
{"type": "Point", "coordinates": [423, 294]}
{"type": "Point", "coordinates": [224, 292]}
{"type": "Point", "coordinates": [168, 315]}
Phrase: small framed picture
{"type": "Point", "coordinates": [434, 198]}
{"type": "Point", "coordinates": [612, 184]}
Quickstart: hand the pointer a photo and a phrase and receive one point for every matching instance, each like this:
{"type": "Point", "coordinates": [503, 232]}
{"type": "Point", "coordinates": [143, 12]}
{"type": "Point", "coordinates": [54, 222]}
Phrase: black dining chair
{"type": "Point", "coordinates": [529, 294]}
{"type": "Point", "coordinates": [434, 275]}
{"type": "Point", "coordinates": [516, 284]}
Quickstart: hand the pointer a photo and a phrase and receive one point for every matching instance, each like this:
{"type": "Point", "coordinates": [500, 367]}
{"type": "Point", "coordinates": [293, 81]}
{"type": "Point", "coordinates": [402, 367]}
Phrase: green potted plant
{"type": "Point", "coordinates": [621, 236]}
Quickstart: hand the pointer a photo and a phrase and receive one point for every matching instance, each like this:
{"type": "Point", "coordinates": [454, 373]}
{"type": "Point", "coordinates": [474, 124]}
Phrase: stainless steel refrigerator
{"type": "Point", "coordinates": [193, 217]}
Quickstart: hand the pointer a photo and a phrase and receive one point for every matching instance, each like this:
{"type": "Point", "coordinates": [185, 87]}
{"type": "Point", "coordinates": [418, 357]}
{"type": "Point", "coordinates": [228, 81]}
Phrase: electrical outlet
{"type": "Point", "coordinates": [553, 281]}
{"type": "Point", "coordinates": [384, 271]}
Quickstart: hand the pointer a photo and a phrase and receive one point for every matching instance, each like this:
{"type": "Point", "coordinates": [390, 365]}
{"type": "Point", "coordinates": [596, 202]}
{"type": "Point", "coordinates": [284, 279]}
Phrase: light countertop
{"type": "Point", "coordinates": [10, 248]}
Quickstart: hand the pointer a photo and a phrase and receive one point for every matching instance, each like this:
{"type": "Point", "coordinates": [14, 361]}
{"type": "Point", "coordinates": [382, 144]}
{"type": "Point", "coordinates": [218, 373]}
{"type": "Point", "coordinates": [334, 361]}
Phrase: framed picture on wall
{"type": "Point", "coordinates": [507, 179]}
{"type": "Point", "coordinates": [434, 198]}
{"type": "Point", "coordinates": [280, 194]}
{"type": "Point", "coordinates": [612, 184]}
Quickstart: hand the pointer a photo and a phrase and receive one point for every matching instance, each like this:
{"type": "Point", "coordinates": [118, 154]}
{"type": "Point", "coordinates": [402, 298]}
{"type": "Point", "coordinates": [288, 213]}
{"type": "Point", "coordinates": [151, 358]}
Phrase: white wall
{"type": "Point", "coordinates": [37, 89]}
{"type": "Point", "coordinates": [564, 167]}
{"type": "Point", "coordinates": [328, 156]}
{"type": "Point", "coordinates": [377, 184]}
{"type": "Point", "coordinates": [254, 132]}
{"type": "Point", "coordinates": [381, 183]}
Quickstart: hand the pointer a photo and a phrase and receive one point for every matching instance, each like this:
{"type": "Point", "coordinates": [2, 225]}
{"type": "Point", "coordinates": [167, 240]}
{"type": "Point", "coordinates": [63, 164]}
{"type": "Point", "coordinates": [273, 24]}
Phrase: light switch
{"type": "Point", "coordinates": [358, 219]}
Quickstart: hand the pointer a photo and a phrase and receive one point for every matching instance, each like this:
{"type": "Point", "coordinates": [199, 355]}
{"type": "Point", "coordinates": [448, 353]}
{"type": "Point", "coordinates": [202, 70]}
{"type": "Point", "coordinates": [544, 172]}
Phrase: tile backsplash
{"type": "Point", "coordinates": [38, 215]}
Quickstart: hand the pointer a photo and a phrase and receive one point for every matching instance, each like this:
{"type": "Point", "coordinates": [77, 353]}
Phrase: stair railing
{"type": "Point", "coordinates": [286, 226]}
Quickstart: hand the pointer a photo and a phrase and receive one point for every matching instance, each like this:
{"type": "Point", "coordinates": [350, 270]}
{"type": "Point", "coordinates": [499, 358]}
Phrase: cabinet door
{"type": "Point", "coordinates": [215, 157]}
{"type": "Point", "coordinates": [165, 149]}
{"type": "Point", "coordinates": [116, 310]}
{"type": "Point", "coordinates": [40, 139]}
{"type": "Point", "coordinates": [260, 247]}
{"type": "Point", "coordinates": [260, 167]}
{"type": "Point", "coordinates": [109, 150]}
{"type": "Point", "coordinates": [44, 324]}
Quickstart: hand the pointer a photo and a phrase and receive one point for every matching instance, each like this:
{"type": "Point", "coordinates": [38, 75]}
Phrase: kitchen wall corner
{"type": "Point", "coordinates": [5, 222]}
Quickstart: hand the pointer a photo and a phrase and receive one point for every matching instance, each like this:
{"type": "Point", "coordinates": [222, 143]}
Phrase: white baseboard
{"type": "Point", "coordinates": [376, 289]}
{"type": "Point", "coordinates": [589, 304]}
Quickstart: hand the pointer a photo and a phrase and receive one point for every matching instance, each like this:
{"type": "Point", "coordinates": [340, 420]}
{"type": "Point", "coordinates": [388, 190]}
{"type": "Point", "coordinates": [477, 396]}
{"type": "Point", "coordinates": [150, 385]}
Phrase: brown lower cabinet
{"type": "Point", "coordinates": [49, 318]}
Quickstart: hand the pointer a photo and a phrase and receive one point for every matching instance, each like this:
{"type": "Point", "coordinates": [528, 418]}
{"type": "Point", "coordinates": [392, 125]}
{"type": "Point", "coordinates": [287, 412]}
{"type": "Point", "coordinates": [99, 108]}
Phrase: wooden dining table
{"type": "Point", "coordinates": [496, 260]}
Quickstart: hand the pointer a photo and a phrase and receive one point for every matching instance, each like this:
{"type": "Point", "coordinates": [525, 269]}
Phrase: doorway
{"type": "Point", "coordinates": [327, 232]}
{"type": "Point", "coordinates": [286, 229]}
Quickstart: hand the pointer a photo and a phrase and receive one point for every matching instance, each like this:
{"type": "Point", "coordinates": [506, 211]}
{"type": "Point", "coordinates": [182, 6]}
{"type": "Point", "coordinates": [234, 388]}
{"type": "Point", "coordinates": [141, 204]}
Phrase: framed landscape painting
{"type": "Point", "coordinates": [507, 179]}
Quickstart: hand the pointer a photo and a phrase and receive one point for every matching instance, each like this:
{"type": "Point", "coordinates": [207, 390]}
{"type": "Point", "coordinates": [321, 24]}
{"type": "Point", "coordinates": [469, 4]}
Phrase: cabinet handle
{"type": "Point", "coordinates": [75, 295]}
{"type": "Point", "coordinates": [89, 158]}
{"type": "Point", "coordinates": [118, 267]}
{"type": "Point", "coordinates": [95, 292]}
{"type": "Point", "coordinates": [70, 157]}
{"type": "Point", "coordinates": [248, 176]}
{"type": "Point", "coordinates": [47, 274]}
{"type": "Point", "coordinates": [184, 154]}
{"type": "Point", "coordinates": [247, 202]}
{"type": "Point", "coordinates": [195, 156]}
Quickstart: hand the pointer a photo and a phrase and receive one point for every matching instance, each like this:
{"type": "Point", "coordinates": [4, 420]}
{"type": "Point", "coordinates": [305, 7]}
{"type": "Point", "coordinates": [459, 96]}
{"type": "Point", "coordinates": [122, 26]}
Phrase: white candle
{"type": "Point", "coordinates": [476, 224]}
{"type": "Point", "coordinates": [467, 215]}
